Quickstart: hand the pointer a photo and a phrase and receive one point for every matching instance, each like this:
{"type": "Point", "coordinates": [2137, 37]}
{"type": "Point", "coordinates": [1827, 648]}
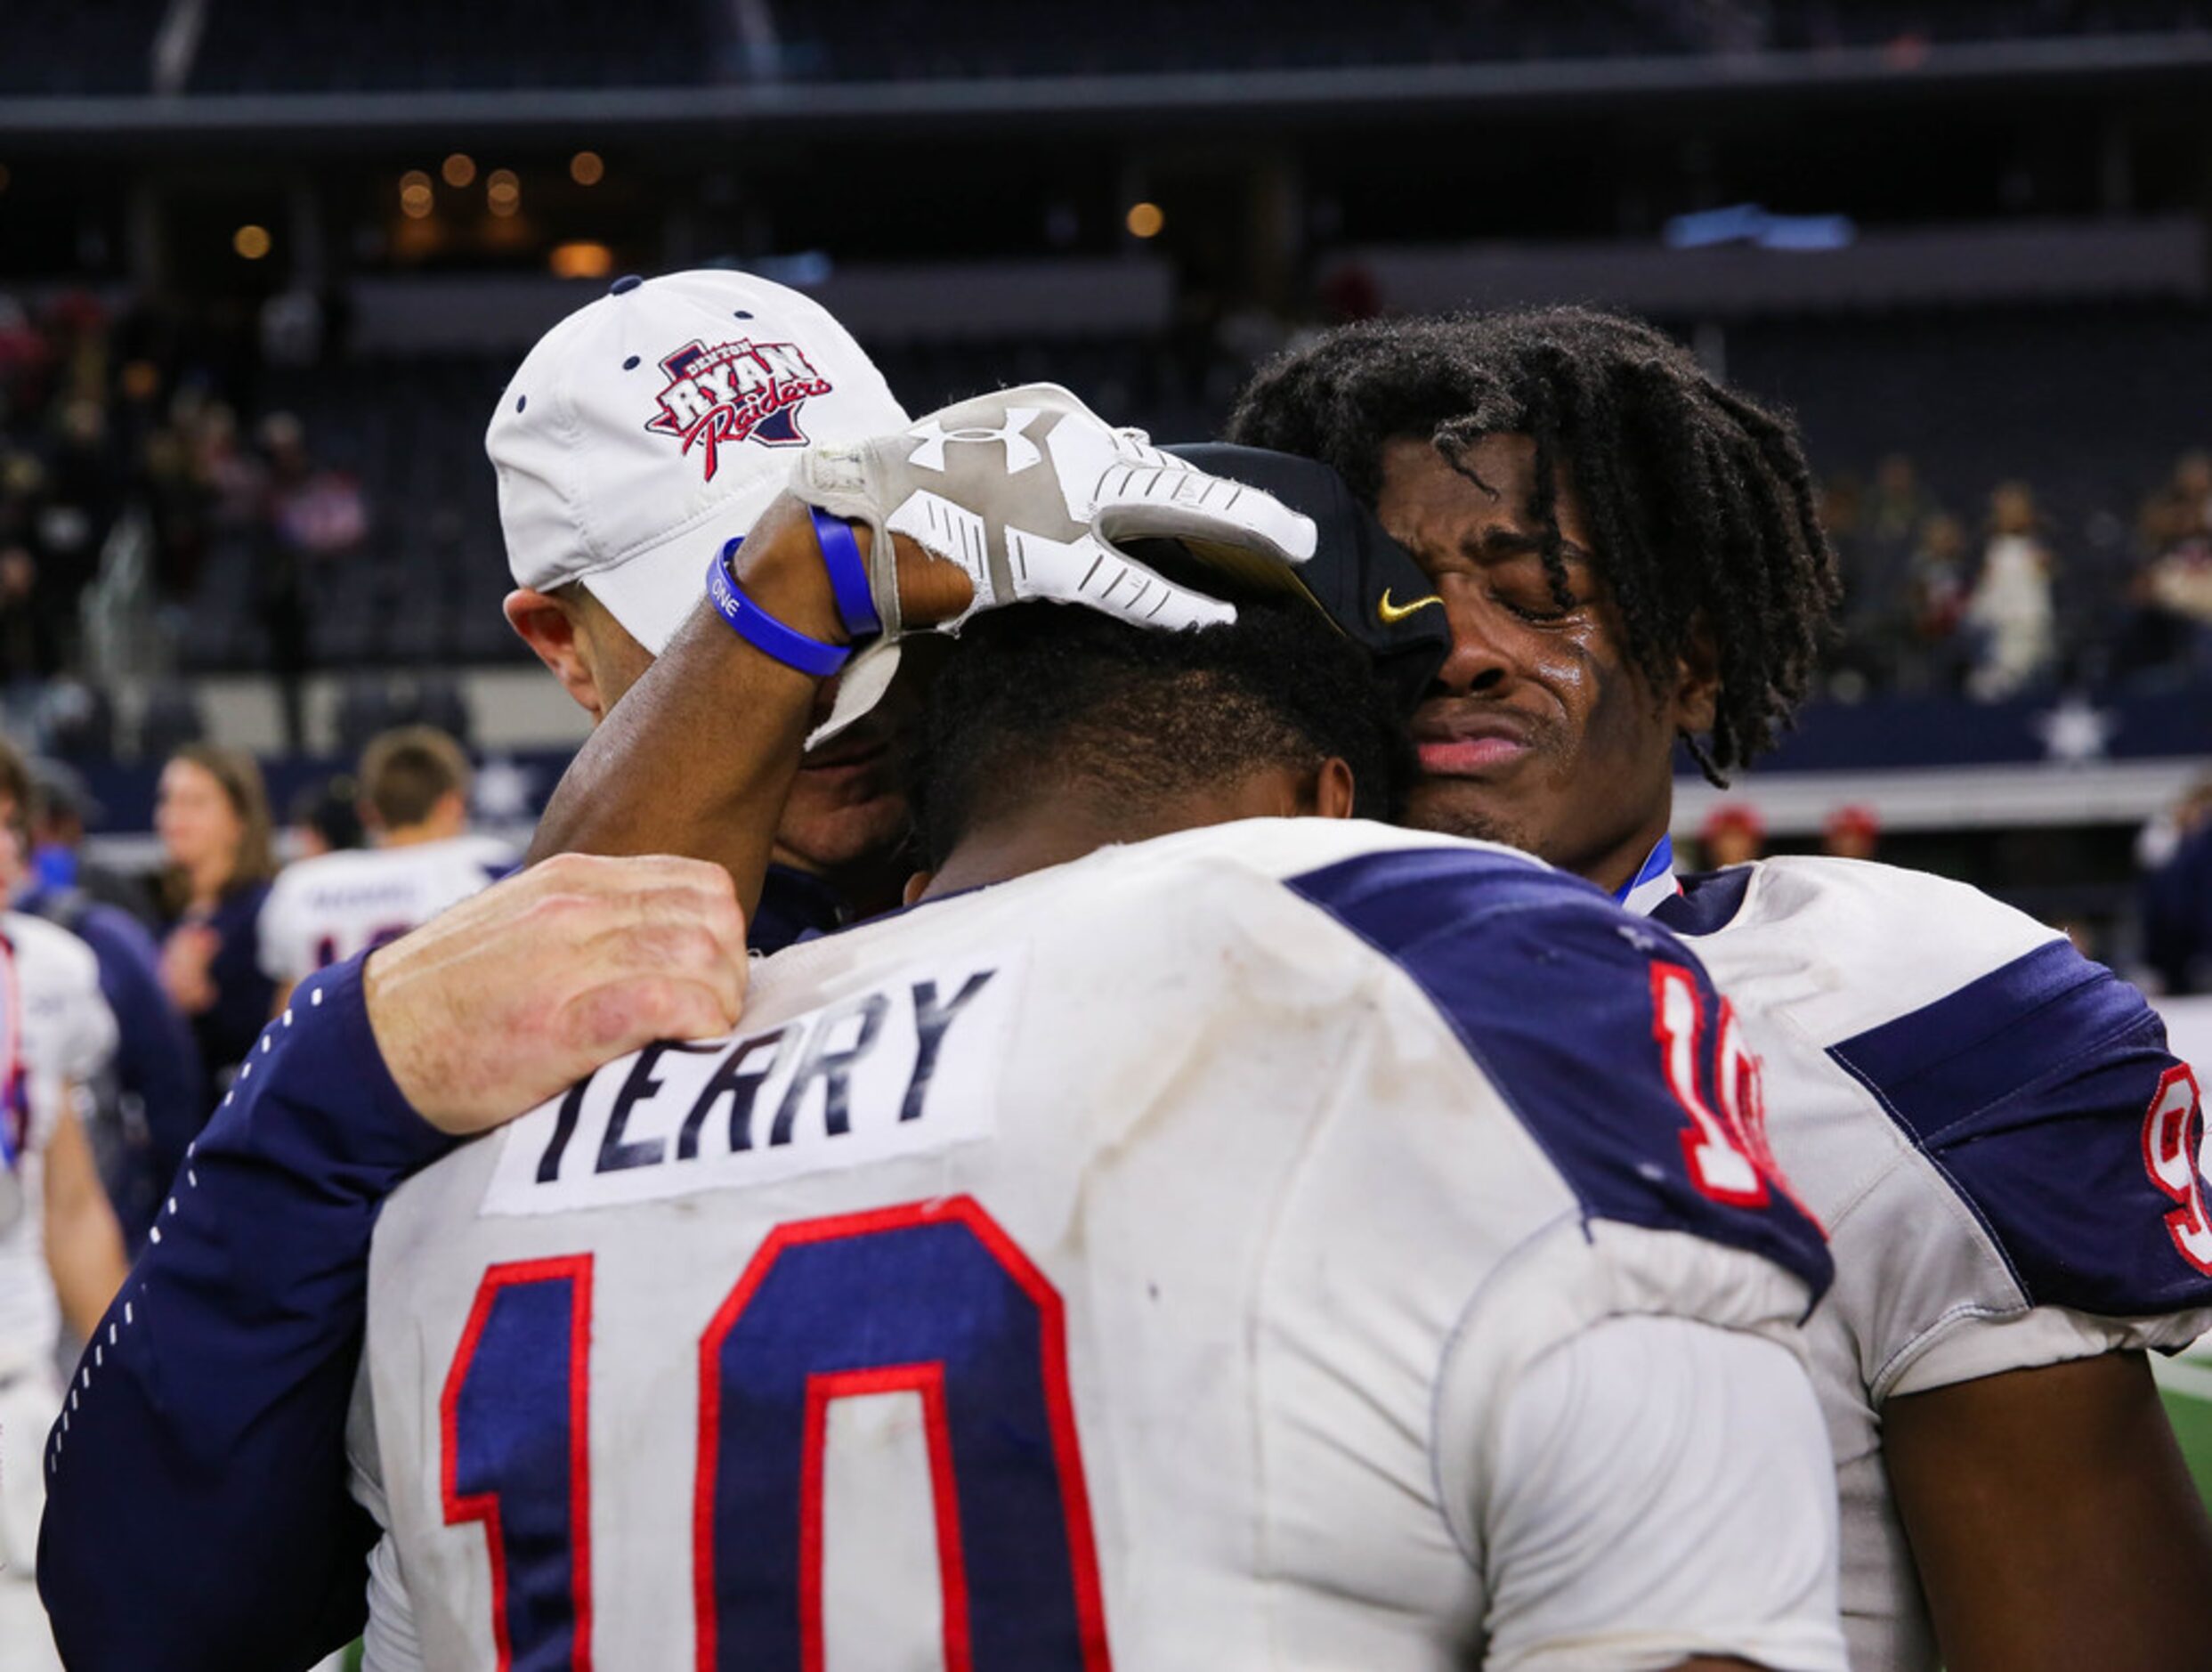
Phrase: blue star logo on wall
{"type": "Point", "coordinates": [2076, 732]}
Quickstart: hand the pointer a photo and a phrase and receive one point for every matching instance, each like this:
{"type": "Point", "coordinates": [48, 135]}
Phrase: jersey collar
{"type": "Point", "coordinates": [1653, 882]}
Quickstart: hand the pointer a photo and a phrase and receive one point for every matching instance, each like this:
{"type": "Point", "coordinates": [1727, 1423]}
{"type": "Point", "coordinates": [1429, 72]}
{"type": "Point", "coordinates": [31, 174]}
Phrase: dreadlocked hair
{"type": "Point", "coordinates": [1699, 502]}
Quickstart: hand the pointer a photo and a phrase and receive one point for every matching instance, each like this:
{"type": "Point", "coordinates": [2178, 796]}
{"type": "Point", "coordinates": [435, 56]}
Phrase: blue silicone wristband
{"type": "Point", "coordinates": [762, 630]}
{"type": "Point", "coordinates": [848, 573]}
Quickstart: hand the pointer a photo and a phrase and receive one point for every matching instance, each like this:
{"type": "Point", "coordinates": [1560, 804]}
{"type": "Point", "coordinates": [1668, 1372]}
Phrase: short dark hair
{"type": "Point", "coordinates": [406, 773]}
{"type": "Point", "coordinates": [17, 788]}
{"type": "Point", "coordinates": [1049, 698]}
{"type": "Point", "coordinates": [332, 808]}
{"type": "Point", "coordinates": [1699, 500]}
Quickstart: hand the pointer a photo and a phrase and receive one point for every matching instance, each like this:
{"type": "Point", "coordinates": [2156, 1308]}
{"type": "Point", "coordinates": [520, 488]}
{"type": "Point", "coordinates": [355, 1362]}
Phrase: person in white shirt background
{"type": "Point", "coordinates": [61, 1254]}
{"type": "Point", "coordinates": [414, 802]}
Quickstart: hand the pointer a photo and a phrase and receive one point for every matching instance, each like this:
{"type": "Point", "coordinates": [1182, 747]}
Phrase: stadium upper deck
{"type": "Point", "coordinates": [229, 47]}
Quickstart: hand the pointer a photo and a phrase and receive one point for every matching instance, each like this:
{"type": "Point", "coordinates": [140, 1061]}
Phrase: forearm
{"type": "Point", "coordinates": [2053, 1520]}
{"type": "Point", "coordinates": [84, 1244]}
{"type": "Point", "coordinates": [198, 1513]}
{"type": "Point", "coordinates": [697, 758]}
{"type": "Point", "coordinates": [85, 1250]}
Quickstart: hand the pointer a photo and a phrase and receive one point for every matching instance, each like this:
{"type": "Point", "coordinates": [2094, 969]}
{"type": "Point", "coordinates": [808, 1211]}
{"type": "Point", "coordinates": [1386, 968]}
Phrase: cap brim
{"type": "Point", "coordinates": [651, 591]}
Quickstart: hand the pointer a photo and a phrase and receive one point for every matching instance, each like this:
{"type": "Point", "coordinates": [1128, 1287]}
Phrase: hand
{"type": "Point", "coordinates": [186, 957]}
{"type": "Point", "coordinates": [1030, 491]}
{"type": "Point", "coordinates": [516, 993]}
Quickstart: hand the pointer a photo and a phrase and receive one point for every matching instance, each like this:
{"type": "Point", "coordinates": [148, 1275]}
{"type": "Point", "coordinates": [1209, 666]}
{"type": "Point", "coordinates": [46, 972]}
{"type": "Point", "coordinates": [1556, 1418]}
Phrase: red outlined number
{"type": "Point", "coordinates": [930, 1298]}
{"type": "Point", "coordinates": [1722, 1155]}
{"type": "Point", "coordinates": [927, 1380]}
{"type": "Point", "coordinates": [2172, 1137]}
{"type": "Point", "coordinates": [506, 1399]}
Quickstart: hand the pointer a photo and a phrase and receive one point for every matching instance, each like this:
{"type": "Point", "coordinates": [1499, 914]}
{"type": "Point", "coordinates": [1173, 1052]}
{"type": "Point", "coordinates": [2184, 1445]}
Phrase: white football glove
{"type": "Point", "coordinates": [1031, 492]}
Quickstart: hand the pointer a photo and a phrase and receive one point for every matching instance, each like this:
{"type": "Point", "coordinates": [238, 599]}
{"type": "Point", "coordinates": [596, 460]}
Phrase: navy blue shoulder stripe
{"type": "Point", "coordinates": [2031, 1089]}
{"type": "Point", "coordinates": [1551, 989]}
{"type": "Point", "coordinates": [1708, 902]}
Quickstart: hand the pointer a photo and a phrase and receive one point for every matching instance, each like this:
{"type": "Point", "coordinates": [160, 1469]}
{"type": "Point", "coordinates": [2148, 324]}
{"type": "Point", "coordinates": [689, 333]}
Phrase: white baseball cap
{"type": "Point", "coordinates": [645, 430]}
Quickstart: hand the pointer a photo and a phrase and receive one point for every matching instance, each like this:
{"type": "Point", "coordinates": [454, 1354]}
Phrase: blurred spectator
{"type": "Point", "coordinates": [2181, 510]}
{"type": "Point", "coordinates": [60, 494]}
{"type": "Point", "coordinates": [1851, 832]}
{"type": "Point", "coordinates": [153, 1100]}
{"type": "Point", "coordinates": [325, 817]}
{"type": "Point", "coordinates": [213, 818]}
{"type": "Point", "coordinates": [312, 514]}
{"type": "Point", "coordinates": [62, 805]}
{"type": "Point", "coordinates": [2175, 853]}
{"type": "Point", "coordinates": [414, 792]}
{"type": "Point", "coordinates": [2010, 607]}
{"type": "Point", "coordinates": [2173, 593]}
{"type": "Point", "coordinates": [2161, 838]}
{"type": "Point", "coordinates": [1936, 592]}
{"type": "Point", "coordinates": [1733, 834]}
{"type": "Point", "coordinates": [2176, 900]}
{"type": "Point", "coordinates": [1877, 552]}
{"type": "Point", "coordinates": [80, 496]}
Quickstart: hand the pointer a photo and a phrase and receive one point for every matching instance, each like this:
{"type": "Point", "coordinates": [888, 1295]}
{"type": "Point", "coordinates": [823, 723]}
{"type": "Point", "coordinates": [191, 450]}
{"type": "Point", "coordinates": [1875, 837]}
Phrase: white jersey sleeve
{"type": "Point", "coordinates": [1645, 1422]}
{"type": "Point", "coordinates": [2003, 1147]}
{"type": "Point", "coordinates": [65, 1034]}
{"type": "Point", "coordinates": [1995, 1136]}
{"type": "Point", "coordinates": [69, 1031]}
{"type": "Point", "coordinates": [282, 935]}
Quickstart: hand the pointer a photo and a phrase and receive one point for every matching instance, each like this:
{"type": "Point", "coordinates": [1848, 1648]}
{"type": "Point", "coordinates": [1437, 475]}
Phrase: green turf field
{"type": "Point", "coordinates": [2187, 1384]}
{"type": "Point", "coordinates": [2193, 1426]}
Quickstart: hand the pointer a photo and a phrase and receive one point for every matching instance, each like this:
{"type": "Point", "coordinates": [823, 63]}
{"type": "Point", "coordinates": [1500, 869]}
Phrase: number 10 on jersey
{"type": "Point", "coordinates": [933, 1299]}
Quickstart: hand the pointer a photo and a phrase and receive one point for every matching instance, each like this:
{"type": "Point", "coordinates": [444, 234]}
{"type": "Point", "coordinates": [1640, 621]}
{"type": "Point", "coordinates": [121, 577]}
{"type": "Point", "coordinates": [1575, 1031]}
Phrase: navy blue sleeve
{"type": "Point", "coordinates": [2044, 1091]}
{"type": "Point", "coordinates": [157, 1058]}
{"type": "Point", "coordinates": [1554, 990]}
{"type": "Point", "coordinates": [196, 1511]}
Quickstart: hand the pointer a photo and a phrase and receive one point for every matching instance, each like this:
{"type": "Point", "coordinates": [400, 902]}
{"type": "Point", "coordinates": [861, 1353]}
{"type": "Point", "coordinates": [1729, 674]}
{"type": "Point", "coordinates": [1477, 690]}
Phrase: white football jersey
{"type": "Point", "coordinates": [321, 910]}
{"type": "Point", "coordinates": [1291, 1244]}
{"type": "Point", "coordinates": [57, 1032]}
{"type": "Point", "coordinates": [1991, 1129]}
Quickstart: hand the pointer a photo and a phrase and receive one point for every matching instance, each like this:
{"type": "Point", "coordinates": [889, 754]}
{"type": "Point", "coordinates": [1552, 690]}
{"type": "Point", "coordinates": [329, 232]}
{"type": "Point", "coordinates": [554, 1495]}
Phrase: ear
{"type": "Point", "coordinates": [1697, 680]}
{"type": "Point", "coordinates": [917, 886]}
{"type": "Point", "coordinates": [549, 626]}
{"type": "Point", "coordinates": [1332, 789]}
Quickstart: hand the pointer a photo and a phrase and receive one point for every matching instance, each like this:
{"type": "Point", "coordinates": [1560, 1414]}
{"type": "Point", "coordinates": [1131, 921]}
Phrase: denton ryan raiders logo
{"type": "Point", "coordinates": [735, 391]}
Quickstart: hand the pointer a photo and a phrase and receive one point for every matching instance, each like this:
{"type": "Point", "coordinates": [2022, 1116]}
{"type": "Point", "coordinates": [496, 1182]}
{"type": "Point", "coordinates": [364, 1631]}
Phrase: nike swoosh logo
{"type": "Point", "coordinates": [1392, 613]}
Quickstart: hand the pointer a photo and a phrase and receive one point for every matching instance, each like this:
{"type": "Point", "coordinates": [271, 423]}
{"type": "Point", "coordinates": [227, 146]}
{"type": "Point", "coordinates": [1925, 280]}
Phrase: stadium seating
{"type": "Point", "coordinates": [104, 46]}
{"type": "Point", "coordinates": [2090, 407]}
{"type": "Point", "coordinates": [422, 45]}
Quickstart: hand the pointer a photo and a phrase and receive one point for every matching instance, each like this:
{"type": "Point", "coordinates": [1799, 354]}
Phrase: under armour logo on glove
{"type": "Point", "coordinates": [964, 484]}
{"type": "Point", "coordinates": [1021, 453]}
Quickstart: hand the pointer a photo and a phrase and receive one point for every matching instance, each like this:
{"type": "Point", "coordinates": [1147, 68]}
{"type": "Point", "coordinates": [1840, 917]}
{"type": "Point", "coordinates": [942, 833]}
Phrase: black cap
{"type": "Point", "coordinates": [1361, 578]}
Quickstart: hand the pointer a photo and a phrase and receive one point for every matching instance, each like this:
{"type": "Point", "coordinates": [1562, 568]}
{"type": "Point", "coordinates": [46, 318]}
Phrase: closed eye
{"type": "Point", "coordinates": [1549, 610]}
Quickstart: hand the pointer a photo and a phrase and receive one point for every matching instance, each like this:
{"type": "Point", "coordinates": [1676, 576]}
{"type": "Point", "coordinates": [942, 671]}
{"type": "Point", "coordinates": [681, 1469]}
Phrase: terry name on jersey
{"type": "Point", "coordinates": [902, 1067]}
